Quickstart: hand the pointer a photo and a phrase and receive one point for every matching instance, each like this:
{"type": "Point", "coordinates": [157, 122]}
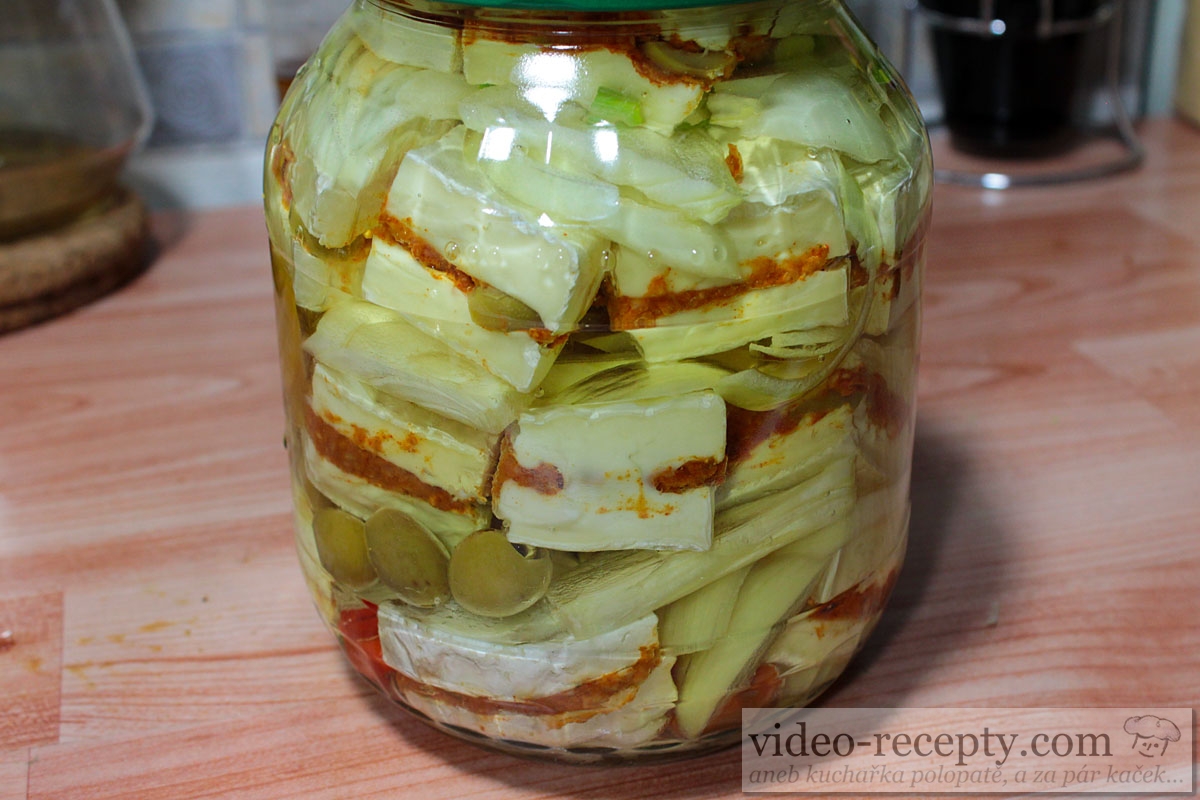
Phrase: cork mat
{"type": "Point", "coordinates": [48, 274]}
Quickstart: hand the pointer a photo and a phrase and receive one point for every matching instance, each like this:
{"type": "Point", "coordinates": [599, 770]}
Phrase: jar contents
{"type": "Point", "coordinates": [599, 342]}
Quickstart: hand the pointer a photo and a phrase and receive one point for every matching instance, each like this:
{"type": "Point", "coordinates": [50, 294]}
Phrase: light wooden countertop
{"type": "Point", "coordinates": [164, 646]}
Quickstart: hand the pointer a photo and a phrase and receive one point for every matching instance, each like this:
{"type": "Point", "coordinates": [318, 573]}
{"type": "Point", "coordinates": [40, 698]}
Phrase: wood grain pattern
{"type": "Point", "coordinates": [30, 666]}
{"type": "Point", "coordinates": [145, 533]}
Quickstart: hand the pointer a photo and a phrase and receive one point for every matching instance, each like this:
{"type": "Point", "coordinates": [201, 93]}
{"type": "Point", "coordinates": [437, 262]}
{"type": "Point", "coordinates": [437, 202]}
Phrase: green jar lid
{"type": "Point", "coordinates": [597, 6]}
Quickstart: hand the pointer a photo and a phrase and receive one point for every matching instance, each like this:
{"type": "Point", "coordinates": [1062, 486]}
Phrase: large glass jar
{"type": "Point", "coordinates": [599, 335]}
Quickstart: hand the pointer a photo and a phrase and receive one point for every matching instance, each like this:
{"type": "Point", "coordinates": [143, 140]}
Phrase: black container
{"type": "Point", "coordinates": [1010, 71]}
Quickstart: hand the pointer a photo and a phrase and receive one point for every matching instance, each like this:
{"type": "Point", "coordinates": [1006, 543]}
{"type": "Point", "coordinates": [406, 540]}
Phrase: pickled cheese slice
{"type": "Point", "coordinates": [362, 498]}
{"type": "Point", "coordinates": [773, 588]}
{"type": "Point", "coordinates": [613, 476]}
{"type": "Point", "coordinates": [431, 302]}
{"type": "Point", "coordinates": [448, 202]}
{"type": "Point", "coordinates": [780, 448]}
{"type": "Point", "coordinates": [617, 587]}
{"type": "Point", "coordinates": [635, 717]}
{"type": "Point", "coordinates": [550, 79]}
{"type": "Point", "coordinates": [816, 644]}
{"type": "Point", "coordinates": [775, 172]}
{"type": "Point", "coordinates": [685, 171]}
{"type": "Point", "coordinates": [377, 346]}
{"type": "Point", "coordinates": [321, 280]}
{"type": "Point", "coordinates": [697, 620]}
{"type": "Point", "coordinates": [684, 25]}
{"type": "Point", "coordinates": [819, 300]}
{"type": "Point", "coordinates": [437, 649]}
{"type": "Point", "coordinates": [405, 40]}
{"type": "Point", "coordinates": [757, 236]}
{"type": "Point", "coordinates": [607, 378]}
{"type": "Point", "coordinates": [438, 451]}
{"type": "Point", "coordinates": [816, 108]}
{"type": "Point", "coordinates": [613, 689]}
{"type": "Point", "coordinates": [361, 114]}
{"type": "Point", "coordinates": [792, 208]}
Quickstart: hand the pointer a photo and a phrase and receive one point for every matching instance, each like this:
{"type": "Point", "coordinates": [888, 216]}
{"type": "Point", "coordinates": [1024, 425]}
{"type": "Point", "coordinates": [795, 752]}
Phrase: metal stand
{"type": "Point", "coordinates": [986, 25]}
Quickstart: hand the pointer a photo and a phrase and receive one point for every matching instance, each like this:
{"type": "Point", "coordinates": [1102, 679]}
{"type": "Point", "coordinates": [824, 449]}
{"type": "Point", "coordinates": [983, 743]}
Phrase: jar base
{"type": "Point", "coordinates": [655, 752]}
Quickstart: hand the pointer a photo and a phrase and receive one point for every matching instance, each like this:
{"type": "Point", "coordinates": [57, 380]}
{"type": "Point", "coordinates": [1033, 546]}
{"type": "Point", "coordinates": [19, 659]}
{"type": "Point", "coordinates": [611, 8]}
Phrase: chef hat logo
{"type": "Point", "coordinates": [1151, 734]}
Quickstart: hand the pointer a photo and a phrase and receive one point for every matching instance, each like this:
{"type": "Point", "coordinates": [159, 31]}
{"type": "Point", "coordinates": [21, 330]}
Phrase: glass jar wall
{"type": "Point", "coordinates": [599, 339]}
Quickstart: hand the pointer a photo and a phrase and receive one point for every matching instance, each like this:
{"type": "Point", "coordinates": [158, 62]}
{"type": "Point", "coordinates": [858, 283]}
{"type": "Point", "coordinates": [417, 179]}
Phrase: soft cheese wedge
{"type": "Point", "coordinates": [362, 115]}
{"type": "Point", "coordinates": [755, 234]}
{"type": "Point", "coordinates": [434, 303]}
{"type": "Point", "coordinates": [814, 108]}
{"type": "Point", "coordinates": [820, 300]}
{"type": "Point", "coordinates": [613, 689]}
{"type": "Point", "coordinates": [622, 377]}
{"type": "Point", "coordinates": [774, 587]}
{"type": "Point", "coordinates": [614, 476]}
{"type": "Point", "coordinates": [326, 277]}
{"type": "Point", "coordinates": [378, 347]}
{"type": "Point", "coordinates": [552, 78]}
{"type": "Point", "coordinates": [811, 652]}
{"type": "Point", "coordinates": [408, 41]}
{"type": "Point", "coordinates": [438, 451]}
{"type": "Point", "coordinates": [685, 171]}
{"type": "Point", "coordinates": [790, 246]}
{"type": "Point", "coordinates": [779, 448]}
{"type": "Point", "coordinates": [634, 717]}
{"type": "Point", "coordinates": [614, 588]}
{"type": "Point", "coordinates": [446, 200]}
{"type": "Point", "coordinates": [815, 644]}
{"type": "Point", "coordinates": [361, 497]}
{"type": "Point", "coordinates": [453, 650]}
{"type": "Point", "coordinates": [696, 621]}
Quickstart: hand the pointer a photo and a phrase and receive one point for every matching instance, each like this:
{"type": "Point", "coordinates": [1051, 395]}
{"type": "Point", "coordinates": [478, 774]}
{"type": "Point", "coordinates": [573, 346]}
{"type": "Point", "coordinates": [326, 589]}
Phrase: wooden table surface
{"type": "Point", "coordinates": [162, 644]}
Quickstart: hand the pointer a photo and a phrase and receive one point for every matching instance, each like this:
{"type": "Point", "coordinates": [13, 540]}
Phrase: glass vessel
{"type": "Point", "coordinates": [1010, 73]}
{"type": "Point", "coordinates": [72, 108]}
{"type": "Point", "coordinates": [598, 333]}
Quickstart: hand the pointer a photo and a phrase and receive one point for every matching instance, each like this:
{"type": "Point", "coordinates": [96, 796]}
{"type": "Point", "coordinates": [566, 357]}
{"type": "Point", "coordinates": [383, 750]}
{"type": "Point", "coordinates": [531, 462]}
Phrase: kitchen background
{"type": "Point", "coordinates": [212, 74]}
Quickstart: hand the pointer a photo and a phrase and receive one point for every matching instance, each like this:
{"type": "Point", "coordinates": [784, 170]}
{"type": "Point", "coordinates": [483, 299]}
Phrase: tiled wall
{"type": "Point", "coordinates": [209, 65]}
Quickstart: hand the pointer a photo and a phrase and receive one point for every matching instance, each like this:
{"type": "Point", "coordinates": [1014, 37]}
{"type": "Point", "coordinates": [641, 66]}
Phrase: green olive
{"type": "Point", "coordinates": [342, 547]}
{"type": "Point", "coordinates": [496, 311]}
{"type": "Point", "coordinates": [409, 559]}
{"type": "Point", "coordinates": [491, 577]}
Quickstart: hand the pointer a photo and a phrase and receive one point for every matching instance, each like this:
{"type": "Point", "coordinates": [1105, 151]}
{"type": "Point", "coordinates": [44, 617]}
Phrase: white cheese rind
{"type": "Point", "coordinates": [363, 499]}
{"type": "Point", "coordinates": [752, 232]}
{"type": "Point", "coordinates": [634, 718]}
{"type": "Point", "coordinates": [820, 300]}
{"type": "Point", "coordinates": [605, 379]}
{"type": "Point", "coordinates": [551, 79]}
{"type": "Point", "coordinates": [438, 451]}
{"type": "Point", "coordinates": [615, 587]}
{"type": "Point", "coordinates": [808, 107]}
{"type": "Point", "coordinates": [319, 282]}
{"type": "Point", "coordinates": [775, 585]}
{"type": "Point", "coordinates": [608, 455]}
{"type": "Point", "coordinates": [377, 346]}
{"type": "Point", "coordinates": [368, 112]}
{"type": "Point", "coordinates": [432, 303]}
{"type": "Point", "coordinates": [450, 205]}
{"type": "Point", "coordinates": [686, 172]}
{"type": "Point", "coordinates": [785, 459]}
{"type": "Point", "coordinates": [426, 652]}
{"type": "Point", "coordinates": [404, 40]}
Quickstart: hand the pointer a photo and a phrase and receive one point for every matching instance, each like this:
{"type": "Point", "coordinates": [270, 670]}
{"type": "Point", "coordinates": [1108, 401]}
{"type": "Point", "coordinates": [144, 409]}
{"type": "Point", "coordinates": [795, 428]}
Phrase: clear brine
{"type": "Point", "coordinates": [599, 348]}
